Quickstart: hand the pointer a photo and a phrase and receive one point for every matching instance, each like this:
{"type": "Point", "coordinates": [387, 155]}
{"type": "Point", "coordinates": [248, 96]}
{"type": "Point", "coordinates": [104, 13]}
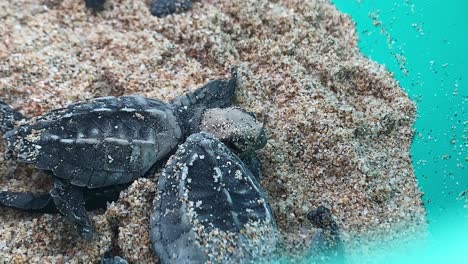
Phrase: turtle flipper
{"type": "Point", "coordinates": [162, 8]}
{"type": "Point", "coordinates": [41, 202]}
{"type": "Point", "coordinates": [215, 94]}
{"type": "Point", "coordinates": [252, 162]}
{"type": "Point", "coordinates": [70, 201]}
{"type": "Point", "coordinates": [97, 5]}
{"type": "Point", "coordinates": [109, 258]}
{"type": "Point", "coordinates": [98, 198]}
{"type": "Point", "coordinates": [326, 245]}
{"type": "Point", "coordinates": [189, 108]}
{"type": "Point", "coordinates": [114, 260]}
{"type": "Point", "coordinates": [8, 117]}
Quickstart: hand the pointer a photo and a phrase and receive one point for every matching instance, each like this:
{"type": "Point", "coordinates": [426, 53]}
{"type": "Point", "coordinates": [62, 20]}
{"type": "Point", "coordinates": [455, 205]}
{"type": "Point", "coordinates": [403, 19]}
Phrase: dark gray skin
{"type": "Point", "coordinates": [97, 5]}
{"type": "Point", "coordinates": [109, 258]}
{"type": "Point", "coordinates": [44, 203]}
{"type": "Point", "coordinates": [159, 8]}
{"type": "Point", "coordinates": [105, 142]}
{"type": "Point", "coordinates": [8, 117]}
{"type": "Point", "coordinates": [162, 8]}
{"type": "Point", "coordinates": [206, 178]}
{"type": "Point", "coordinates": [114, 260]}
{"type": "Point", "coordinates": [326, 245]}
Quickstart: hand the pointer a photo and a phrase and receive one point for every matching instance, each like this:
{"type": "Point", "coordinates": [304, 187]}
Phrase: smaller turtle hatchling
{"type": "Point", "coordinates": [209, 208]}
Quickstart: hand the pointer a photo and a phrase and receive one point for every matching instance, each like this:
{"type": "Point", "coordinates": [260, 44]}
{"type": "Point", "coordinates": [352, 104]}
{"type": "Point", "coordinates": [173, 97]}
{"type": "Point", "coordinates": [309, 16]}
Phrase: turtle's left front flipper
{"type": "Point", "coordinates": [35, 202]}
{"type": "Point", "coordinates": [70, 201]}
{"type": "Point", "coordinates": [8, 117]}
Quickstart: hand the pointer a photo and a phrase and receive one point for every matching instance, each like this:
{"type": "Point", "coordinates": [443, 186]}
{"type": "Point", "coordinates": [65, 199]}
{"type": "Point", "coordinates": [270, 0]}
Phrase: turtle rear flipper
{"type": "Point", "coordinates": [28, 201]}
{"type": "Point", "coordinates": [8, 117]}
{"type": "Point", "coordinates": [70, 201]}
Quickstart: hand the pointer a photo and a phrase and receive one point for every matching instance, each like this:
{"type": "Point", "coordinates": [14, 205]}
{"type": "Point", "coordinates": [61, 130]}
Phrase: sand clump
{"type": "Point", "coordinates": [339, 126]}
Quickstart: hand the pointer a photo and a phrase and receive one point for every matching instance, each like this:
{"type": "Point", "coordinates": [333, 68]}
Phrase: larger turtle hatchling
{"type": "Point", "coordinates": [102, 143]}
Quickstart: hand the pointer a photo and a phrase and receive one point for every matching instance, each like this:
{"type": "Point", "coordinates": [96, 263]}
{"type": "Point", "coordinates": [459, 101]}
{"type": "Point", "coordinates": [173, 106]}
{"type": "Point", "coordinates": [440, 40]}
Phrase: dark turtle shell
{"type": "Point", "coordinates": [210, 207]}
{"type": "Point", "coordinates": [98, 143]}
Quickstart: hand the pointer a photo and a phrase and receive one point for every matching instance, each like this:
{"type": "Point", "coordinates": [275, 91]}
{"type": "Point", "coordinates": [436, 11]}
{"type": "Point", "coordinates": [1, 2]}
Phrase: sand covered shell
{"type": "Point", "coordinates": [103, 142]}
{"type": "Point", "coordinates": [209, 208]}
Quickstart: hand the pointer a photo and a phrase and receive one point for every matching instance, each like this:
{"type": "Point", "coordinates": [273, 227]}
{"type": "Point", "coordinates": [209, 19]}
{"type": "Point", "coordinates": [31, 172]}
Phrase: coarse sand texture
{"type": "Point", "coordinates": [339, 126]}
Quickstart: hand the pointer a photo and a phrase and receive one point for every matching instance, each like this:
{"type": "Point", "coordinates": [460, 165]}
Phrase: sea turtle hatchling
{"type": "Point", "coordinates": [209, 208]}
{"type": "Point", "coordinates": [102, 143]}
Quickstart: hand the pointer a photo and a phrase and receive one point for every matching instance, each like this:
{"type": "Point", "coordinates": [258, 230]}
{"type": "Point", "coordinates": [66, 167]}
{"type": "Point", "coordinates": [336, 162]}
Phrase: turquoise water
{"type": "Point", "coordinates": [424, 44]}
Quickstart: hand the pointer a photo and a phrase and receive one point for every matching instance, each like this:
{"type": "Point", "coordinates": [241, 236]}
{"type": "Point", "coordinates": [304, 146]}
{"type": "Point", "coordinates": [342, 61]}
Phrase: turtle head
{"type": "Point", "coordinates": [235, 127]}
{"type": "Point", "coordinates": [189, 108]}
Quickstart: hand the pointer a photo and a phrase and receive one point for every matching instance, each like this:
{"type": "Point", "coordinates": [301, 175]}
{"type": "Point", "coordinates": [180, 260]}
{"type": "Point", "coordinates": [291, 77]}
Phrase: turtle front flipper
{"type": "Point", "coordinates": [70, 201]}
{"type": "Point", "coordinates": [326, 245]}
{"type": "Point", "coordinates": [190, 107]}
{"type": "Point", "coordinates": [162, 8]}
{"type": "Point", "coordinates": [114, 260]}
{"type": "Point", "coordinates": [109, 258]}
{"type": "Point", "coordinates": [43, 202]}
{"type": "Point", "coordinates": [8, 117]}
{"type": "Point", "coordinates": [40, 202]}
{"type": "Point", "coordinates": [252, 162]}
{"type": "Point", "coordinates": [97, 5]}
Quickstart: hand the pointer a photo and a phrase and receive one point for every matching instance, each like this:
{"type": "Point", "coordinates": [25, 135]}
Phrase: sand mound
{"type": "Point", "coordinates": [339, 125]}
